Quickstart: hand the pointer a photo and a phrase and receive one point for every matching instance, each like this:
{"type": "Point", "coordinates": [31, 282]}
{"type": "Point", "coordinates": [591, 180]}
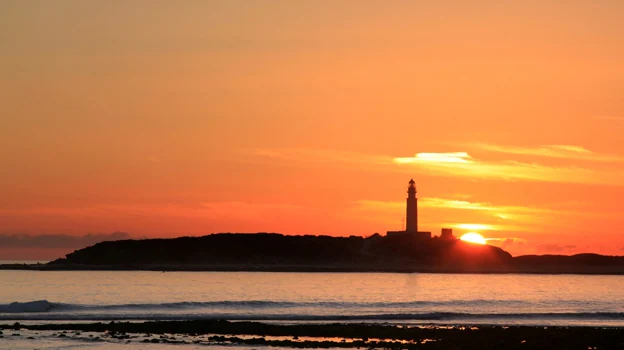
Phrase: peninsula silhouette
{"type": "Point", "coordinates": [277, 252]}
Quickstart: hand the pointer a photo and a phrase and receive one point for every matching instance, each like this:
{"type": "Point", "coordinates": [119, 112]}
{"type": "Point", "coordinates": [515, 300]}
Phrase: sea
{"type": "Point", "coordinates": [35, 297]}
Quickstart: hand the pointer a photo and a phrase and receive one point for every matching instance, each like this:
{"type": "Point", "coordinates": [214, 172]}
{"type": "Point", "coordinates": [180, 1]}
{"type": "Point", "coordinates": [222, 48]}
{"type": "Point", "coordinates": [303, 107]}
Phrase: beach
{"type": "Point", "coordinates": [152, 309]}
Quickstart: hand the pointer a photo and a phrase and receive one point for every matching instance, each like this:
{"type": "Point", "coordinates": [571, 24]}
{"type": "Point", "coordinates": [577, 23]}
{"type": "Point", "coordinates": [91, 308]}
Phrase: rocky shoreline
{"type": "Point", "coordinates": [334, 335]}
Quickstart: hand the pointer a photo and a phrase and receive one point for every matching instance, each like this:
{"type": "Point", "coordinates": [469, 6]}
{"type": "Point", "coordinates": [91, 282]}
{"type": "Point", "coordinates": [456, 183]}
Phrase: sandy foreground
{"type": "Point", "coordinates": [257, 334]}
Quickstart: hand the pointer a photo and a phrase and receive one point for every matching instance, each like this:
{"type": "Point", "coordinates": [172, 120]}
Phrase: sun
{"type": "Point", "coordinates": [473, 237]}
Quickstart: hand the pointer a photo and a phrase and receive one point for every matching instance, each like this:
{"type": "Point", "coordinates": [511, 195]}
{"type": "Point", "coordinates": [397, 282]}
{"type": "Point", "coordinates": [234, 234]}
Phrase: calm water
{"type": "Point", "coordinates": [295, 297]}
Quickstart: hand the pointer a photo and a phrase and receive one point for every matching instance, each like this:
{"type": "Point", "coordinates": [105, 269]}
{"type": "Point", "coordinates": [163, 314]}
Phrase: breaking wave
{"type": "Point", "coordinates": [46, 306]}
{"type": "Point", "coordinates": [282, 311]}
{"type": "Point", "coordinates": [31, 306]}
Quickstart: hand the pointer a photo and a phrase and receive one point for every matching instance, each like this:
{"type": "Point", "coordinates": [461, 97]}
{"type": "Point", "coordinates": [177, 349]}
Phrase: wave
{"type": "Point", "coordinates": [46, 306]}
{"type": "Point", "coordinates": [432, 316]}
{"type": "Point", "coordinates": [31, 306]}
{"type": "Point", "coordinates": [258, 310]}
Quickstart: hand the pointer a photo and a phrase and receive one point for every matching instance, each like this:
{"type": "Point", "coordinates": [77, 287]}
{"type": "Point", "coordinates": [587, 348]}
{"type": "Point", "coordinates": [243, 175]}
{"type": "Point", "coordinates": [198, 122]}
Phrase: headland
{"type": "Point", "coordinates": [408, 250]}
{"type": "Point", "coordinates": [308, 253]}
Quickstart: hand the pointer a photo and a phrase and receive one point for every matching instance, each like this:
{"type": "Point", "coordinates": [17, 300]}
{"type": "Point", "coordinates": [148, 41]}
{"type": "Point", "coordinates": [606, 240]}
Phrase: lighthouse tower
{"type": "Point", "coordinates": [411, 215]}
{"type": "Point", "coordinates": [411, 224]}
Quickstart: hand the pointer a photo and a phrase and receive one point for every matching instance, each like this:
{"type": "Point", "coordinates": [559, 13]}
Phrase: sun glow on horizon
{"type": "Point", "coordinates": [473, 237]}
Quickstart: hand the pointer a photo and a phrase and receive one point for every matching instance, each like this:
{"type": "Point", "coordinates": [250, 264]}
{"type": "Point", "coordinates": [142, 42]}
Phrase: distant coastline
{"type": "Point", "coordinates": [510, 269]}
{"type": "Point", "coordinates": [271, 252]}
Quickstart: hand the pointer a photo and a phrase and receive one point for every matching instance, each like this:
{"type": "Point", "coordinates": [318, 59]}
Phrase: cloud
{"type": "Point", "coordinates": [610, 118]}
{"type": "Point", "coordinates": [554, 248]}
{"type": "Point", "coordinates": [514, 245]}
{"type": "Point", "coordinates": [507, 242]}
{"type": "Point", "coordinates": [425, 202]}
{"type": "Point", "coordinates": [316, 156]}
{"type": "Point", "coordinates": [552, 151]}
{"type": "Point", "coordinates": [450, 157]}
{"type": "Point", "coordinates": [467, 166]}
{"type": "Point", "coordinates": [58, 240]}
{"type": "Point", "coordinates": [462, 164]}
{"type": "Point", "coordinates": [434, 202]}
{"type": "Point", "coordinates": [445, 203]}
{"type": "Point", "coordinates": [474, 215]}
{"type": "Point", "coordinates": [474, 227]}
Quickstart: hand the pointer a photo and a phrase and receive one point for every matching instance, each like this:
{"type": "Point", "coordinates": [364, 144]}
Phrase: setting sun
{"type": "Point", "coordinates": [473, 237]}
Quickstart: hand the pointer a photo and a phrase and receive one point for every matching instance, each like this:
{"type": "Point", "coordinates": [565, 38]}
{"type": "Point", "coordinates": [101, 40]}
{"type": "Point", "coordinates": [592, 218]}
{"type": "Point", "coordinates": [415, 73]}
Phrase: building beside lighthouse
{"type": "Point", "coordinates": [411, 217]}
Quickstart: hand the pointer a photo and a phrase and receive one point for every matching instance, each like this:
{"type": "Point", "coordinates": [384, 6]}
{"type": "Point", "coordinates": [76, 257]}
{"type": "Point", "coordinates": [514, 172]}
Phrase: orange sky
{"type": "Point", "coordinates": [167, 118]}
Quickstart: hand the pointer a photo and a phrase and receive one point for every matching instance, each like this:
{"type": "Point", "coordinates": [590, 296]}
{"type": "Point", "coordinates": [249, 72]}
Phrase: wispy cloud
{"type": "Point", "coordinates": [508, 243]}
{"type": "Point", "coordinates": [552, 151]}
{"type": "Point", "coordinates": [507, 240]}
{"type": "Point", "coordinates": [445, 203]}
{"type": "Point", "coordinates": [451, 157]}
{"type": "Point", "coordinates": [468, 166]}
{"type": "Point", "coordinates": [307, 155]}
{"type": "Point", "coordinates": [555, 248]}
{"type": "Point", "coordinates": [610, 118]}
{"type": "Point", "coordinates": [463, 164]}
{"type": "Point", "coordinates": [474, 227]}
{"type": "Point", "coordinates": [474, 215]}
{"type": "Point", "coordinates": [433, 202]}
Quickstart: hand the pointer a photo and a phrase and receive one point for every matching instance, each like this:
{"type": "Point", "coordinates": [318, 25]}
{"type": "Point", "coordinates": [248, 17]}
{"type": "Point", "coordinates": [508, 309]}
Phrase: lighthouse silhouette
{"type": "Point", "coordinates": [411, 214]}
{"type": "Point", "coordinates": [411, 218]}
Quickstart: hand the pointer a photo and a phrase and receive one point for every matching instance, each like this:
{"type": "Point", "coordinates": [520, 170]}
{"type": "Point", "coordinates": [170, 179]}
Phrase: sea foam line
{"type": "Point", "coordinates": [39, 306]}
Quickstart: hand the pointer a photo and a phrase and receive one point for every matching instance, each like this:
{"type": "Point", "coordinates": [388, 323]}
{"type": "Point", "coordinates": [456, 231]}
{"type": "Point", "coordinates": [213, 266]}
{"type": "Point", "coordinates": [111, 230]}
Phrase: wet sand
{"type": "Point", "coordinates": [333, 335]}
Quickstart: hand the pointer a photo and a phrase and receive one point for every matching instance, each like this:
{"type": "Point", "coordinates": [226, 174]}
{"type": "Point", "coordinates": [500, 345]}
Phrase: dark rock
{"type": "Point", "coordinates": [465, 338]}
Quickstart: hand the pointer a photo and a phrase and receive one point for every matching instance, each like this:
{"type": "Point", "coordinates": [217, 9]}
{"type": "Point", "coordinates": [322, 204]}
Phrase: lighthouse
{"type": "Point", "coordinates": [411, 218]}
{"type": "Point", "coordinates": [411, 215]}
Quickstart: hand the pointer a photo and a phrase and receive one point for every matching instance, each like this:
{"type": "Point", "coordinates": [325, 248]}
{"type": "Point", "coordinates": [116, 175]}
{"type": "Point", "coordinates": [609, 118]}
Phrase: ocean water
{"type": "Point", "coordinates": [504, 299]}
